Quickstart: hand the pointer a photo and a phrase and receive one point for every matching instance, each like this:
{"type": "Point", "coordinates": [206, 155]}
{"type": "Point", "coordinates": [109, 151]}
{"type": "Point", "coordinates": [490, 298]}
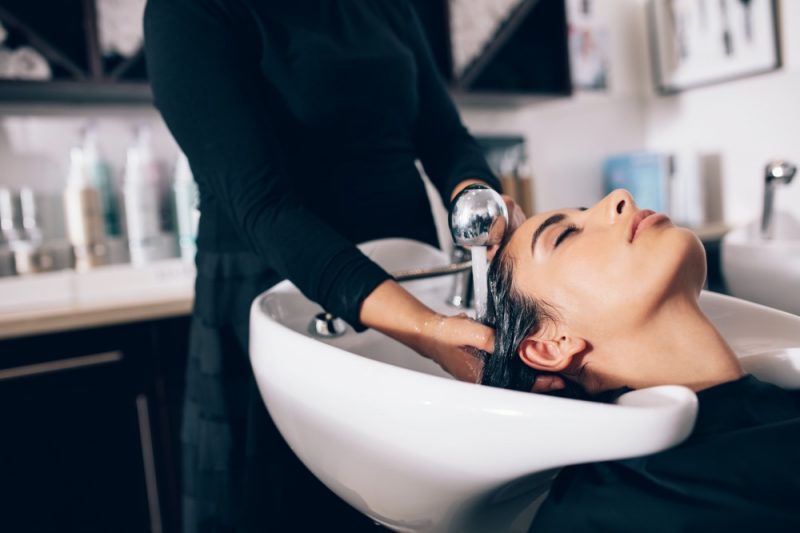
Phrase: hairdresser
{"type": "Point", "coordinates": [302, 122]}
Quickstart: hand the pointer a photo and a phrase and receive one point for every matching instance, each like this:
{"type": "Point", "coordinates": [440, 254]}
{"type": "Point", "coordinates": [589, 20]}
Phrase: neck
{"type": "Point", "coordinates": [677, 345]}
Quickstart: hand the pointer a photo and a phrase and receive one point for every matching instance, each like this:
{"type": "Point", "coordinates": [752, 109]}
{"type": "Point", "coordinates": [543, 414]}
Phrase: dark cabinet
{"type": "Point", "coordinates": [89, 420]}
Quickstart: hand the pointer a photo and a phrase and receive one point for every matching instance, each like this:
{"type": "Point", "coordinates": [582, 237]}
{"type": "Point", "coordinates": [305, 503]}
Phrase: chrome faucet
{"type": "Point", "coordinates": [461, 289]}
{"type": "Point", "coordinates": [478, 217]}
{"type": "Point", "coordinates": [777, 172]}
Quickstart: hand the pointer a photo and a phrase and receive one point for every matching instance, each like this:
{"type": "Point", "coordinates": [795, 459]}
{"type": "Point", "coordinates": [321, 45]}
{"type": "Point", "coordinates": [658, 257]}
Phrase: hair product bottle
{"type": "Point", "coordinates": [187, 215]}
{"type": "Point", "coordinates": [143, 203]}
{"type": "Point", "coordinates": [83, 211]}
{"type": "Point", "coordinates": [7, 233]}
{"type": "Point", "coordinates": [140, 191]}
{"type": "Point", "coordinates": [100, 177]}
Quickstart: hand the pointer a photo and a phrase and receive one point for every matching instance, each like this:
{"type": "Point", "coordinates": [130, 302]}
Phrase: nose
{"type": "Point", "coordinates": [618, 204]}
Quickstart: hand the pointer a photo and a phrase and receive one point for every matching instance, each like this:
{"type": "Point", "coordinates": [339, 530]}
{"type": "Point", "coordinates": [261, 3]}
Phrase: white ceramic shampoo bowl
{"type": "Point", "coordinates": [765, 271]}
{"type": "Point", "coordinates": [398, 439]}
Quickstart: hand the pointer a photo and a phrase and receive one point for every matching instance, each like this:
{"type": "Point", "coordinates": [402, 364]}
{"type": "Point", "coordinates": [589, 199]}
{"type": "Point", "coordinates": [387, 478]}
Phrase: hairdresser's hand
{"type": "Point", "coordinates": [548, 383]}
{"type": "Point", "coordinates": [453, 342]}
{"type": "Point", "coordinates": [449, 341]}
{"type": "Point", "coordinates": [516, 217]}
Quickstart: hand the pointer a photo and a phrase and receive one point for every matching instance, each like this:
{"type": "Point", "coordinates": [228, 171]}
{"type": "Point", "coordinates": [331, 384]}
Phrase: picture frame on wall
{"type": "Point", "coordinates": [695, 43]}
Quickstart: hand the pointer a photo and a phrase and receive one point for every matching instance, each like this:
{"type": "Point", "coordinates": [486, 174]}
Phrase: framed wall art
{"type": "Point", "coordinates": [701, 42]}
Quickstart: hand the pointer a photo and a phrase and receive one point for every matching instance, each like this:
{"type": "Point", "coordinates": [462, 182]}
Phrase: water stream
{"type": "Point", "coordinates": [479, 283]}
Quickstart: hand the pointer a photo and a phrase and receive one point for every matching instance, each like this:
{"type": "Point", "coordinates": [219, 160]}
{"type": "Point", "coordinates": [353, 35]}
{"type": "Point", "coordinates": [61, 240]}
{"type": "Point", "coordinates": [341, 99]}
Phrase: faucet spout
{"type": "Point", "coordinates": [461, 290]}
{"type": "Point", "coordinates": [778, 172]}
{"type": "Point", "coordinates": [478, 219]}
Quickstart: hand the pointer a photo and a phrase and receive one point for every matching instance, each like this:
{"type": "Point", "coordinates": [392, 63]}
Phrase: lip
{"type": "Point", "coordinates": [643, 220]}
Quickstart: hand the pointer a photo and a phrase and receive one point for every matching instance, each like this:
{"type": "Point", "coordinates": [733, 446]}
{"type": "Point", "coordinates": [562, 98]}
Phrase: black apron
{"type": "Point", "coordinates": [238, 472]}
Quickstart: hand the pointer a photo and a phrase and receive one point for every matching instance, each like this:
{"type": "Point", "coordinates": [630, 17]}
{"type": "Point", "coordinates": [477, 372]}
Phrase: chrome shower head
{"type": "Point", "coordinates": [478, 217]}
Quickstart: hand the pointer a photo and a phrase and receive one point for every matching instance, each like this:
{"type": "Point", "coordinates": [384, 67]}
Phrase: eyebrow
{"type": "Point", "coordinates": [553, 219]}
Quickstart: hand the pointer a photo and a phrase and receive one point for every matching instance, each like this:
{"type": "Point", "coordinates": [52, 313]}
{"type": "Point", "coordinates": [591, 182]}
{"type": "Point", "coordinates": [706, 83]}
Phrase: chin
{"type": "Point", "coordinates": [677, 263]}
{"type": "Point", "coordinates": [689, 259]}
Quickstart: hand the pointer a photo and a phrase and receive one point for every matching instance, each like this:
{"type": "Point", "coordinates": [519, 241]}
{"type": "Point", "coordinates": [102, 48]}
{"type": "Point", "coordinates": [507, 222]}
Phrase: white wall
{"type": "Point", "coordinates": [567, 142]}
{"type": "Point", "coordinates": [568, 139]}
{"type": "Point", "coordinates": [747, 121]}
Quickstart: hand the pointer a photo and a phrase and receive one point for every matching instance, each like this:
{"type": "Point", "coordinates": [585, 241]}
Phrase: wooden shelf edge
{"type": "Point", "coordinates": [41, 323]}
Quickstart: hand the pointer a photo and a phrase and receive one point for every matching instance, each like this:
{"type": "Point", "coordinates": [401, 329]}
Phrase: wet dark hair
{"type": "Point", "coordinates": [514, 316]}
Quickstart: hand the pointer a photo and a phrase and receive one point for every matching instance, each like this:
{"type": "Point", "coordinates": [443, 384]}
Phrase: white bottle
{"type": "Point", "coordinates": [187, 215]}
{"type": "Point", "coordinates": [84, 216]}
{"type": "Point", "coordinates": [142, 198]}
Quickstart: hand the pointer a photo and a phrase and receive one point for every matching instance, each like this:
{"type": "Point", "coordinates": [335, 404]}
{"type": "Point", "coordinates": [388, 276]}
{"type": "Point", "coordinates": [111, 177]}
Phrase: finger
{"type": "Point", "coordinates": [464, 331]}
{"type": "Point", "coordinates": [511, 207]}
{"type": "Point", "coordinates": [483, 338]}
{"type": "Point", "coordinates": [491, 251]}
{"type": "Point", "coordinates": [548, 383]}
{"type": "Point", "coordinates": [516, 216]}
{"type": "Point", "coordinates": [519, 217]}
{"type": "Point", "coordinates": [477, 336]}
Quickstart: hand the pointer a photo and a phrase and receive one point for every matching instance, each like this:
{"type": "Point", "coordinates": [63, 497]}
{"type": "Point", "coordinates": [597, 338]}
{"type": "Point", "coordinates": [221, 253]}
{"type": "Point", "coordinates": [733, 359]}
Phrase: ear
{"type": "Point", "coordinates": [550, 355]}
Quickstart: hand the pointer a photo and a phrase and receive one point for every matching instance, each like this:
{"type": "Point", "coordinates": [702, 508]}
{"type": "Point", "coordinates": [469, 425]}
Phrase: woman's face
{"type": "Point", "coordinates": [605, 269]}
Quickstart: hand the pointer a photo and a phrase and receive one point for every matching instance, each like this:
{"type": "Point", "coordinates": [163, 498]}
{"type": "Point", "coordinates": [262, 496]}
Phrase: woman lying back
{"type": "Point", "coordinates": [602, 300]}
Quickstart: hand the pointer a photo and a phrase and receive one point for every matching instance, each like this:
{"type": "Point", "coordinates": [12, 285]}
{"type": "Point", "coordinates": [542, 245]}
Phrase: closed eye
{"type": "Point", "coordinates": [564, 234]}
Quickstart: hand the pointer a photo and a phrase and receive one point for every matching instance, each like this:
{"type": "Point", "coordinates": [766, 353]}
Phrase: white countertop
{"type": "Point", "coordinates": [59, 301]}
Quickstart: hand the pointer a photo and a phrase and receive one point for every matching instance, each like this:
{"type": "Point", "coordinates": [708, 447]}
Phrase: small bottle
{"type": "Point", "coordinates": [8, 233]}
{"type": "Point", "coordinates": [84, 216]}
{"type": "Point", "coordinates": [100, 177]}
{"type": "Point", "coordinates": [31, 254]}
{"type": "Point", "coordinates": [187, 215]}
{"type": "Point", "coordinates": [8, 226]}
{"type": "Point", "coordinates": [143, 204]}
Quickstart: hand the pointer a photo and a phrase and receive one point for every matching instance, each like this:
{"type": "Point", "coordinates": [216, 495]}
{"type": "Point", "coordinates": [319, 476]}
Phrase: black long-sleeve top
{"type": "Point", "coordinates": [737, 471]}
{"type": "Point", "coordinates": [302, 121]}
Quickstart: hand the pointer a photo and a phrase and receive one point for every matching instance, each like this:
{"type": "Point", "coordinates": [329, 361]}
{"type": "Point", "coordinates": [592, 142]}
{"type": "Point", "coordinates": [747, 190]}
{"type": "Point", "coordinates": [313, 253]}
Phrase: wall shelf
{"type": "Point", "coordinates": [75, 92]}
{"type": "Point", "coordinates": [526, 58]}
{"type": "Point", "coordinates": [65, 34]}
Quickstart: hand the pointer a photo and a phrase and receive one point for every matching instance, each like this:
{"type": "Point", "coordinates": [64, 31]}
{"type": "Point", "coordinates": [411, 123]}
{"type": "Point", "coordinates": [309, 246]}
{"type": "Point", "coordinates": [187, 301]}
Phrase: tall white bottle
{"type": "Point", "coordinates": [83, 210]}
{"type": "Point", "coordinates": [187, 214]}
{"type": "Point", "coordinates": [143, 201]}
